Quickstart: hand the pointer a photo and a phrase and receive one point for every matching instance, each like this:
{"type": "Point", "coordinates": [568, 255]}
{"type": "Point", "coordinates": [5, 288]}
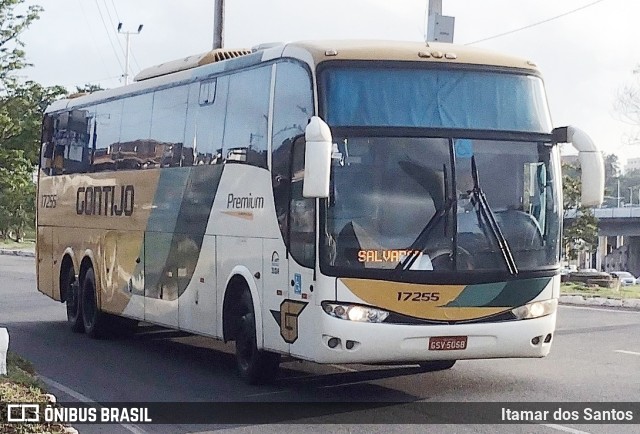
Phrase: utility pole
{"type": "Point", "coordinates": [439, 27]}
{"type": "Point", "coordinates": [218, 24]}
{"type": "Point", "coordinates": [126, 56]}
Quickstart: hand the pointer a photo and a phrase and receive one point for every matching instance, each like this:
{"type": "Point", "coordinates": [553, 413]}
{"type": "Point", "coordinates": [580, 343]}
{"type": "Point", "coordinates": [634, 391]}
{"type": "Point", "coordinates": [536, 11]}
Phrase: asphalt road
{"type": "Point", "coordinates": [595, 358]}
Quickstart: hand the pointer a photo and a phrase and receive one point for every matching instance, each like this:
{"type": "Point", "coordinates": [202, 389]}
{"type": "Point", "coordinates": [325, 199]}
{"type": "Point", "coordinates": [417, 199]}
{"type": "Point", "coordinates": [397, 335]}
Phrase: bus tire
{"type": "Point", "coordinates": [437, 365]}
{"type": "Point", "coordinates": [254, 366]}
{"type": "Point", "coordinates": [94, 321]}
{"type": "Point", "coordinates": [71, 290]}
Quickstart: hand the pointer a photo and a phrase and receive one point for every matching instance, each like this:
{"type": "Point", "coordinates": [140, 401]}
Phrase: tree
{"type": "Point", "coordinates": [21, 112]}
{"type": "Point", "coordinates": [17, 194]}
{"type": "Point", "coordinates": [89, 88]}
{"type": "Point", "coordinates": [21, 108]}
{"type": "Point", "coordinates": [582, 233]}
{"type": "Point", "coordinates": [13, 21]}
{"type": "Point", "coordinates": [611, 178]}
{"type": "Point", "coordinates": [627, 105]}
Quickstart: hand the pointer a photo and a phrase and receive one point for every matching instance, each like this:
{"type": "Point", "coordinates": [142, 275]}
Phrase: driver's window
{"type": "Point", "coordinates": [302, 218]}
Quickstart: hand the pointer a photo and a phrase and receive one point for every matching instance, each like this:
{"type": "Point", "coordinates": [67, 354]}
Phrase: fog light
{"type": "Point", "coordinates": [547, 339]}
{"type": "Point", "coordinates": [350, 345]}
{"type": "Point", "coordinates": [333, 342]}
{"type": "Point", "coordinates": [536, 340]}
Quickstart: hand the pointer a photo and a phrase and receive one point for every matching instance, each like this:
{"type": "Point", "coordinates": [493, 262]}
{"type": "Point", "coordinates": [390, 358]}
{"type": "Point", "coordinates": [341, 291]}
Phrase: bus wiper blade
{"type": "Point", "coordinates": [484, 210]}
{"type": "Point", "coordinates": [418, 245]}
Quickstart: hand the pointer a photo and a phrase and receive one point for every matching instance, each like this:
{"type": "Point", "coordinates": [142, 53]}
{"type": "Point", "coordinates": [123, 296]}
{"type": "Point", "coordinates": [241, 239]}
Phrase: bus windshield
{"type": "Point", "coordinates": [394, 95]}
{"type": "Point", "coordinates": [410, 204]}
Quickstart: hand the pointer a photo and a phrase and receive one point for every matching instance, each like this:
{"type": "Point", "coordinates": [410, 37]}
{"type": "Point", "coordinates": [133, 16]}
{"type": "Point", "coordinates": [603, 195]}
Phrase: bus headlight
{"type": "Point", "coordinates": [536, 309]}
{"type": "Point", "coordinates": [353, 312]}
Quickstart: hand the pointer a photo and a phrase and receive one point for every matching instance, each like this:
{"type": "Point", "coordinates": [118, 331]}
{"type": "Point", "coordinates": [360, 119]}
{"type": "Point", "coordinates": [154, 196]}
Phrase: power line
{"type": "Point", "coordinates": [116, 11]}
{"type": "Point", "coordinates": [113, 24]}
{"type": "Point", "coordinates": [537, 23]}
{"type": "Point", "coordinates": [106, 28]}
{"type": "Point", "coordinates": [93, 39]}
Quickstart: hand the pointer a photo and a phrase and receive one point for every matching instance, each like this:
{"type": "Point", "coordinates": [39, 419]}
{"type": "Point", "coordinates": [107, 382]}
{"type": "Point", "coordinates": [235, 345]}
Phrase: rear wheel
{"type": "Point", "coordinates": [437, 365]}
{"type": "Point", "coordinates": [69, 286]}
{"type": "Point", "coordinates": [94, 321]}
{"type": "Point", "coordinates": [255, 366]}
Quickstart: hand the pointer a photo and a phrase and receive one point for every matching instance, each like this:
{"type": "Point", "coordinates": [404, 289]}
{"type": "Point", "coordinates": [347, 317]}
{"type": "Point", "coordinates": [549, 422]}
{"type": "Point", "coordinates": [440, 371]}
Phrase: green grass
{"type": "Point", "coordinates": [21, 385]}
{"type": "Point", "coordinates": [581, 289]}
{"type": "Point", "coordinates": [27, 244]}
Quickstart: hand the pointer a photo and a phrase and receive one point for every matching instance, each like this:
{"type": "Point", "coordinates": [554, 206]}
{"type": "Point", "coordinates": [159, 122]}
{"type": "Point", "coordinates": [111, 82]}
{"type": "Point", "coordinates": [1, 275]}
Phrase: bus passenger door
{"type": "Point", "coordinates": [298, 328]}
{"type": "Point", "coordinates": [161, 280]}
{"type": "Point", "coordinates": [275, 293]}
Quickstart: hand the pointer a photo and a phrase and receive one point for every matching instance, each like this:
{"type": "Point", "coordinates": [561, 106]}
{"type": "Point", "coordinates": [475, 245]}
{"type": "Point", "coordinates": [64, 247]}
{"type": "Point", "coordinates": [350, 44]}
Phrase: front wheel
{"type": "Point", "coordinates": [437, 365]}
{"type": "Point", "coordinates": [255, 366]}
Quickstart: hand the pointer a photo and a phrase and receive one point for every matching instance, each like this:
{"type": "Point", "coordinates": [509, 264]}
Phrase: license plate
{"type": "Point", "coordinates": [446, 343]}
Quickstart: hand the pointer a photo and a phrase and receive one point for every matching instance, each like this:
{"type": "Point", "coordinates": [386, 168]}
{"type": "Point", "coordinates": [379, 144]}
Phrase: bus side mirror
{"type": "Point", "coordinates": [317, 159]}
{"type": "Point", "coordinates": [591, 163]}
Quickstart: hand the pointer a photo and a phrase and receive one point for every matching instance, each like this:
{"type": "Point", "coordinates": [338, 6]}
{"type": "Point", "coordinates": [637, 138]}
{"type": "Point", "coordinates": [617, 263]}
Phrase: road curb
{"type": "Point", "coordinates": [17, 252]}
{"type": "Point", "coordinates": [627, 303]}
{"type": "Point", "coordinates": [66, 429]}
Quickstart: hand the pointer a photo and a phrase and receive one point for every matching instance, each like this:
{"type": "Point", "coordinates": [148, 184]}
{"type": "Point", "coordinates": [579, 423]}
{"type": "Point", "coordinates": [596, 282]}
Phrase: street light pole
{"type": "Point", "coordinates": [218, 24]}
{"type": "Point", "coordinates": [128, 48]}
{"type": "Point", "coordinates": [630, 196]}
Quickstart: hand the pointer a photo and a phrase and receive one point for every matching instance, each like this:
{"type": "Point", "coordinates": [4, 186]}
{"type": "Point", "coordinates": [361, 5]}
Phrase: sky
{"type": "Point", "coordinates": [586, 54]}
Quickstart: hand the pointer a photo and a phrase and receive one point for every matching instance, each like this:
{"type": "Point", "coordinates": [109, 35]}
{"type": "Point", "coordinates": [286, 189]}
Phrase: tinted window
{"type": "Point", "coordinates": [205, 122]}
{"type": "Point", "coordinates": [398, 96]}
{"type": "Point", "coordinates": [292, 109]}
{"type": "Point", "coordinates": [107, 135]}
{"type": "Point", "coordinates": [134, 133]}
{"type": "Point", "coordinates": [69, 135]}
{"type": "Point", "coordinates": [167, 127]}
{"type": "Point", "coordinates": [245, 135]}
{"type": "Point", "coordinates": [302, 212]}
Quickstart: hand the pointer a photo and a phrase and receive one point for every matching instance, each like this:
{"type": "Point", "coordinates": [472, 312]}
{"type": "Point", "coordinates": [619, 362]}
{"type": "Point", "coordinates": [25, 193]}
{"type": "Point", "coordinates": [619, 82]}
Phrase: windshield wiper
{"type": "Point", "coordinates": [421, 240]}
{"type": "Point", "coordinates": [484, 211]}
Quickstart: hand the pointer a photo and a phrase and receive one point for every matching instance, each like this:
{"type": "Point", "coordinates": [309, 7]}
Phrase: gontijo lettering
{"type": "Point", "coordinates": [108, 200]}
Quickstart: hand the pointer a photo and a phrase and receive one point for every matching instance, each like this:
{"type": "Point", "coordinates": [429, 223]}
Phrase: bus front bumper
{"type": "Point", "coordinates": [343, 341]}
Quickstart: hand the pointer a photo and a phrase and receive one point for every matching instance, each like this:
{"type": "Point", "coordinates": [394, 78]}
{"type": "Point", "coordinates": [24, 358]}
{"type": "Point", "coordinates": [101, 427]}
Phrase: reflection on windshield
{"type": "Point", "coordinates": [408, 204]}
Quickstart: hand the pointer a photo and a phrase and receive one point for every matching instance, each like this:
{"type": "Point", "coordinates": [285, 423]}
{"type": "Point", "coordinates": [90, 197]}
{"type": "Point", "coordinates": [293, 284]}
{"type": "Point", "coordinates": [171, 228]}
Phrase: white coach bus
{"type": "Point", "coordinates": [338, 202]}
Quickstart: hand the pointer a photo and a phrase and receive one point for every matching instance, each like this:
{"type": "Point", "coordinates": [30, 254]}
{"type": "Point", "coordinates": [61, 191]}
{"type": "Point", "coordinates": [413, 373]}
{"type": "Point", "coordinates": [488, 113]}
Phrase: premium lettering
{"type": "Point", "coordinates": [108, 200]}
{"type": "Point", "coordinates": [244, 202]}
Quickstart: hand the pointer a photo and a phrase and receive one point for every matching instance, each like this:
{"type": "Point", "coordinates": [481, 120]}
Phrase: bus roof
{"type": "Point", "coordinates": [409, 51]}
{"type": "Point", "coordinates": [311, 52]}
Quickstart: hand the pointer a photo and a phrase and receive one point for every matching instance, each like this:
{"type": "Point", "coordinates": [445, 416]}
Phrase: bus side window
{"type": "Point", "coordinates": [302, 212]}
{"type": "Point", "coordinates": [60, 138]}
{"type": "Point", "coordinates": [206, 107]}
{"type": "Point", "coordinates": [77, 151]}
{"type": "Point", "coordinates": [292, 108]}
{"type": "Point", "coordinates": [167, 125]}
{"type": "Point", "coordinates": [46, 157]}
{"type": "Point", "coordinates": [245, 132]}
